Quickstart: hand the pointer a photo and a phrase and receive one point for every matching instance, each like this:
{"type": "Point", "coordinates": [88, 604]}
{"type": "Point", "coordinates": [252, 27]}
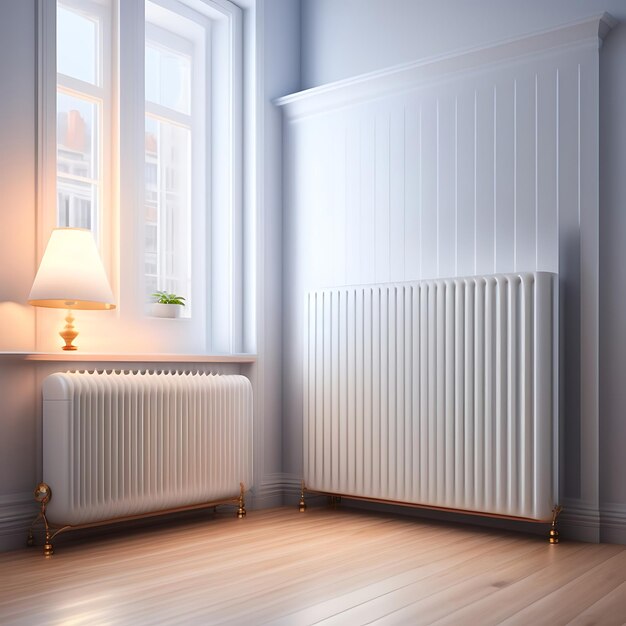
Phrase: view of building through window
{"type": "Point", "coordinates": [80, 101]}
{"type": "Point", "coordinates": [177, 196]}
{"type": "Point", "coordinates": [168, 163]}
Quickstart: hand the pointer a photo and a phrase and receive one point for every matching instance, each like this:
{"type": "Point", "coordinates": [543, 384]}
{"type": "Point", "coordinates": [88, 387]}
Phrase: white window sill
{"type": "Point", "coordinates": [86, 357]}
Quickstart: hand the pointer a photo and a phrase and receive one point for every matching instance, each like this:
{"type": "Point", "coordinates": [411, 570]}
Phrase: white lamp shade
{"type": "Point", "coordinates": [71, 274]}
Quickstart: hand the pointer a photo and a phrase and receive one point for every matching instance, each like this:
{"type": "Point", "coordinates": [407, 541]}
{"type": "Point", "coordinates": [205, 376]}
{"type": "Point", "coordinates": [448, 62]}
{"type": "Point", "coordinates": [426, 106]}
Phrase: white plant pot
{"type": "Point", "coordinates": [171, 311]}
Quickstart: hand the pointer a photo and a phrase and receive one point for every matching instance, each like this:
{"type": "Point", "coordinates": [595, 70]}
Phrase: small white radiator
{"type": "Point", "coordinates": [124, 444]}
{"type": "Point", "coordinates": [439, 393]}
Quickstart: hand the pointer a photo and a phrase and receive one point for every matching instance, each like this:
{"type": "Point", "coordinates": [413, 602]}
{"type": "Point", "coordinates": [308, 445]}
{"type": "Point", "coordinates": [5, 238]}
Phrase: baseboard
{"type": "Point", "coordinates": [274, 490]}
{"type": "Point", "coordinates": [17, 511]}
{"type": "Point", "coordinates": [613, 523]}
{"type": "Point", "coordinates": [579, 522]}
{"type": "Point", "coordinates": [607, 525]}
{"type": "Point", "coordinates": [292, 486]}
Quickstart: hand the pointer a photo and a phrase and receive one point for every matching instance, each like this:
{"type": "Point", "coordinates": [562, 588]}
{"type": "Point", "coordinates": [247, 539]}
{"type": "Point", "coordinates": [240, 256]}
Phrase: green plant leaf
{"type": "Point", "coordinates": [162, 297]}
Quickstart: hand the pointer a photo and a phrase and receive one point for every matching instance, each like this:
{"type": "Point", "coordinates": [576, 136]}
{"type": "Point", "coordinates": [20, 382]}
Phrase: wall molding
{"type": "Point", "coordinates": [276, 489]}
{"type": "Point", "coordinates": [584, 523]}
{"type": "Point", "coordinates": [17, 511]}
{"type": "Point", "coordinates": [580, 522]}
{"type": "Point", "coordinates": [401, 78]}
{"type": "Point", "coordinates": [613, 523]}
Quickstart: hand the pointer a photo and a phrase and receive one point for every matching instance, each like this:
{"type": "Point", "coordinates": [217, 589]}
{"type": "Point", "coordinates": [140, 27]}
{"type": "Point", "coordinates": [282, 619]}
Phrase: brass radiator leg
{"type": "Point", "coordinates": [241, 511]}
{"type": "Point", "coordinates": [553, 535]}
{"type": "Point", "coordinates": [42, 494]}
{"type": "Point", "coordinates": [302, 503]}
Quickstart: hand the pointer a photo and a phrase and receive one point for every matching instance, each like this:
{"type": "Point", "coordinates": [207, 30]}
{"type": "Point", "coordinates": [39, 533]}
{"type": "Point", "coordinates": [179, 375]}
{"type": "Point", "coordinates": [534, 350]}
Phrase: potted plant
{"type": "Point", "coordinates": [167, 304]}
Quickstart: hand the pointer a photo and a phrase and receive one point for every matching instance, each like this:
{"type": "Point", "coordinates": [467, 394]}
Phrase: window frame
{"type": "Point", "coordinates": [128, 330]}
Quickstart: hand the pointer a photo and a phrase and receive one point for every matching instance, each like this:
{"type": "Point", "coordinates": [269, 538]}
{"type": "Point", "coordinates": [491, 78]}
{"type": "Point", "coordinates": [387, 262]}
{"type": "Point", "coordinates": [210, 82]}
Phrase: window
{"type": "Point", "coordinates": [175, 146]}
{"type": "Point", "coordinates": [83, 108]}
{"type": "Point", "coordinates": [145, 151]}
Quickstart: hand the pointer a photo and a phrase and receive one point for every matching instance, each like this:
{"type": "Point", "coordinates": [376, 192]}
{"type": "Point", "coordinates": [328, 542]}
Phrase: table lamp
{"type": "Point", "coordinates": [71, 276]}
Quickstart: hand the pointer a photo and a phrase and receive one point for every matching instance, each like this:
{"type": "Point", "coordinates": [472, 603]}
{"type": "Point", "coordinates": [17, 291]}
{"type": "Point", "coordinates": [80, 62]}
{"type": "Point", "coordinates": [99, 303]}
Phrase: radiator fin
{"type": "Point", "coordinates": [437, 392]}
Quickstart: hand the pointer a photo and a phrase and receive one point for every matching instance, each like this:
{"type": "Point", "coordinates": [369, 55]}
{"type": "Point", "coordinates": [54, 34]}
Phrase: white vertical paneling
{"type": "Point", "coordinates": [397, 193]}
{"type": "Point", "coordinates": [353, 240]}
{"type": "Point", "coordinates": [339, 214]}
{"type": "Point", "coordinates": [428, 188]}
{"type": "Point", "coordinates": [525, 188]}
{"type": "Point", "coordinates": [465, 191]}
{"type": "Point", "coordinates": [367, 225]}
{"type": "Point", "coordinates": [504, 173]}
{"type": "Point", "coordinates": [446, 185]}
{"type": "Point", "coordinates": [412, 205]}
{"type": "Point", "coordinates": [381, 195]}
{"type": "Point", "coordinates": [484, 172]}
{"type": "Point", "coordinates": [545, 164]}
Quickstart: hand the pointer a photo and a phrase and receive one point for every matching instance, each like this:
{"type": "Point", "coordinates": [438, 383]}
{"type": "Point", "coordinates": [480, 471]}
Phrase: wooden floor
{"type": "Point", "coordinates": [324, 566]}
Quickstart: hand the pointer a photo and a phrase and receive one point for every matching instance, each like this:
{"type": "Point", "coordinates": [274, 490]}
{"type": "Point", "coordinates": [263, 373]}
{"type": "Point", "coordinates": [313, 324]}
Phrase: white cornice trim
{"type": "Point", "coordinates": [590, 31]}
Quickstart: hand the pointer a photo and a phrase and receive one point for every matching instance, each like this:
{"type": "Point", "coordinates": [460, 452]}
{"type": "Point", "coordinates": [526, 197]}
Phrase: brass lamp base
{"type": "Point", "coordinates": [68, 334]}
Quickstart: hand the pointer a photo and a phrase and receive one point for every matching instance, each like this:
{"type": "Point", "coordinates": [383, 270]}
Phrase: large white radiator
{"type": "Point", "coordinates": [438, 392]}
{"type": "Point", "coordinates": [124, 444]}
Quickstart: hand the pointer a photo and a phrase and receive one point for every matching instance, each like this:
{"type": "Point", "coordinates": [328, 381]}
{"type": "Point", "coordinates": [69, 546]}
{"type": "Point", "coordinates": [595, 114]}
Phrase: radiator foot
{"type": "Point", "coordinates": [302, 503]}
{"type": "Point", "coordinates": [48, 548]}
{"type": "Point", "coordinates": [553, 535]}
{"type": "Point", "coordinates": [241, 511]}
{"type": "Point", "coordinates": [42, 495]}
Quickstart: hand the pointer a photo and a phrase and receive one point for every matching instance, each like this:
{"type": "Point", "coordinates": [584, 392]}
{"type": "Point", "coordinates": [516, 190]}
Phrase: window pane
{"type": "Point", "coordinates": [77, 204]}
{"type": "Point", "coordinates": [167, 210]}
{"type": "Point", "coordinates": [77, 136]}
{"type": "Point", "coordinates": [168, 78]}
{"type": "Point", "coordinates": [77, 41]}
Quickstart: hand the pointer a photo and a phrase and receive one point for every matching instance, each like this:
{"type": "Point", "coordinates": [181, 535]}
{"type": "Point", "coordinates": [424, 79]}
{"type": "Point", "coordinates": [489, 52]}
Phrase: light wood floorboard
{"type": "Point", "coordinates": [324, 566]}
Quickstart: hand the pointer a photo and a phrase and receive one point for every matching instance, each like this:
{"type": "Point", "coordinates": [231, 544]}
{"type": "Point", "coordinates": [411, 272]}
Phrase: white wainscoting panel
{"type": "Point", "coordinates": [471, 164]}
